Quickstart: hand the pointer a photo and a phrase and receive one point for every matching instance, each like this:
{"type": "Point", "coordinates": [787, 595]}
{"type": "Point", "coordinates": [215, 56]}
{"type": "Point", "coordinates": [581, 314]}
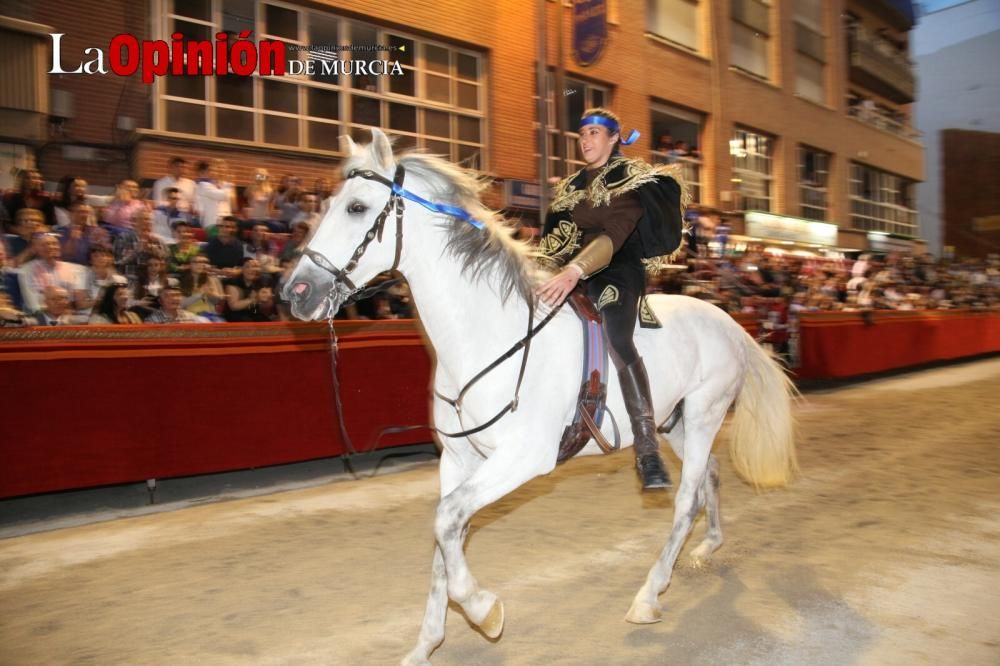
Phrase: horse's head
{"type": "Point", "coordinates": [330, 269]}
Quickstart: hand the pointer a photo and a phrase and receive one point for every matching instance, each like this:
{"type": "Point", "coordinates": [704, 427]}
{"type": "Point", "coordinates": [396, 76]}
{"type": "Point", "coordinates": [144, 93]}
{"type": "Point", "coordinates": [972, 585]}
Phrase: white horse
{"type": "Point", "coordinates": [471, 286]}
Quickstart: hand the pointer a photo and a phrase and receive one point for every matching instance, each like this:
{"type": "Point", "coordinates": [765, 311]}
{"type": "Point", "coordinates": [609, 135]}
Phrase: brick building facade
{"type": "Point", "coordinates": [969, 166]}
{"type": "Point", "coordinates": [797, 108]}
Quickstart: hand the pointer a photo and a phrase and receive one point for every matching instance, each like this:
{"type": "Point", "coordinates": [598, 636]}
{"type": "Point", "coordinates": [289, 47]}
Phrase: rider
{"type": "Point", "coordinates": [603, 221]}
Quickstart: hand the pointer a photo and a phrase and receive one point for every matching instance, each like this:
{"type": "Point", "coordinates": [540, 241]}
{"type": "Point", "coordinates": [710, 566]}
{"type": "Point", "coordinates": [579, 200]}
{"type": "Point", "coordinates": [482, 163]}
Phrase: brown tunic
{"type": "Point", "coordinates": [617, 219]}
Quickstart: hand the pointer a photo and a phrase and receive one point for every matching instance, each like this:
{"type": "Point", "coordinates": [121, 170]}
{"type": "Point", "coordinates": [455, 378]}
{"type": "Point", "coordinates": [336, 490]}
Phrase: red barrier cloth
{"type": "Point", "coordinates": [98, 405]}
{"type": "Point", "coordinates": [90, 406]}
{"type": "Point", "coordinates": [837, 345]}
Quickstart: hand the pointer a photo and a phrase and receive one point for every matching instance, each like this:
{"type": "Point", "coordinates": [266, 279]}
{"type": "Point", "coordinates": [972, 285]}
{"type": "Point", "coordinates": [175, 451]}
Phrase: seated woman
{"type": "Point", "coordinates": [151, 280]}
{"type": "Point", "coordinates": [243, 292]}
{"type": "Point", "coordinates": [113, 307]}
{"type": "Point", "coordinates": [201, 291]}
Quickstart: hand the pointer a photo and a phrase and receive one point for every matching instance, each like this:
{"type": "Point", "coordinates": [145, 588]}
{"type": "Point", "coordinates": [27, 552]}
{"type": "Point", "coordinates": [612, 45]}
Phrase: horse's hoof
{"type": "Point", "coordinates": [643, 613]}
{"type": "Point", "coordinates": [492, 624]}
{"type": "Point", "coordinates": [413, 659]}
{"type": "Point", "coordinates": [702, 555]}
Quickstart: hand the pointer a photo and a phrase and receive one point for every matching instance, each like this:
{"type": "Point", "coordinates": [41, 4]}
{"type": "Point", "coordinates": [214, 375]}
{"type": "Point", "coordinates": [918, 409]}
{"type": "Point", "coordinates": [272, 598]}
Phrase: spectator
{"type": "Point", "coordinates": [294, 246]}
{"type": "Point", "coordinates": [10, 290]}
{"type": "Point", "coordinates": [125, 205]}
{"type": "Point", "coordinates": [267, 305]}
{"type": "Point", "coordinates": [183, 250]}
{"type": "Point", "coordinates": [308, 212]}
{"type": "Point", "coordinates": [259, 195]}
{"type": "Point", "coordinates": [29, 224]}
{"type": "Point", "coordinates": [286, 200]}
{"type": "Point", "coordinates": [152, 278]}
{"type": "Point", "coordinates": [214, 198]}
{"type": "Point", "coordinates": [72, 191]}
{"type": "Point", "coordinates": [55, 310]}
{"type": "Point", "coordinates": [243, 292]}
{"type": "Point", "coordinates": [48, 271]}
{"type": "Point", "coordinates": [175, 180]}
{"type": "Point", "coordinates": [680, 150]}
{"type": "Point", "coordinates": [665, 143]}
{"type": "Point", "coordinates": [260, 248]}
{"type": "Point", "coordinates": [30, 193]}
{"type": "Point", "coordinates": [113, 307]}
{"type": "Point", "coordinates": [99, 274]}
{"type": "Point", "coordinates": [202, 292]}
{"type": "Point", "coordinates": [324, 194]}
{"type": "Point", "coordinates": [166, 217]}
{"type": "Point", "coordinates": [9, 314]}
{"type": "Point", "coordinates": [82, 234]}
{"type": "Point", "coordinates": [170, 311]}
{"type": "Point", "coordinates": [133, 247]}
{"type": "Point", "coordinates": [225, 250]}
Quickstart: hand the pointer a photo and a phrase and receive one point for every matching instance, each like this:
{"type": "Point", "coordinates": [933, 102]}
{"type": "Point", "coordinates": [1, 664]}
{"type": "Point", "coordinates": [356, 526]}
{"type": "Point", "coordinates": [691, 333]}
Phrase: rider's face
{"type": "Point", "coordinates": [596, 144]}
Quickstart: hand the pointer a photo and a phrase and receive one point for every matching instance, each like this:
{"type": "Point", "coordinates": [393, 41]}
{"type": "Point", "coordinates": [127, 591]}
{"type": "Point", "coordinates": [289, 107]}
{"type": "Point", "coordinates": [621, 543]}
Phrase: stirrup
{"type": "Point", "coordinates": [652, 472]}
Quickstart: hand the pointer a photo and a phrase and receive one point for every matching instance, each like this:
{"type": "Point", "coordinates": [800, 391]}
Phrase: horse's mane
{"type": "Point", "coordinates": [478, 250]}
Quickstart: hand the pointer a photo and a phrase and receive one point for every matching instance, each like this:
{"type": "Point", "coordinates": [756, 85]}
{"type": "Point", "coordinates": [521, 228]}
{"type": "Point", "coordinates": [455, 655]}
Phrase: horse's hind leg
{"type": "Point", "coordinates": [698, 439]}
{"type": "Point", "coordinates": [710, 495]}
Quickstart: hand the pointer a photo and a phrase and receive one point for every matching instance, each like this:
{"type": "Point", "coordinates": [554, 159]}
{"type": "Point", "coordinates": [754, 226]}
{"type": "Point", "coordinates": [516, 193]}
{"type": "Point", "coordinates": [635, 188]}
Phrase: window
{"type": "Point", "coordinates": [752, 168]}
{"type": "Point", "coordinates": [438, 103]}
{"type": "Point", "coordinates": [881, 201]}
{"type": "Point", "coordinates": [814, 174]}
{"type": "Point", "coordinates": [675, 20]}
{"type": "Point", "coordinates": [750, 32]}
{"type": "Point", "coordinates": [676, 140]}
{"type": "Point", "coordinates": [578, 96]}
{"type": "Point", "coordinates": [810, 56]}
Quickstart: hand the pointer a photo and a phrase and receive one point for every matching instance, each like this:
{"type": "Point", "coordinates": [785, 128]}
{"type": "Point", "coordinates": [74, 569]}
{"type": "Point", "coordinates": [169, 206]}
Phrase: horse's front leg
{"type": "Point", "coordinates": [453, 469]}
{"type": "Point", "coordinates": [509, 467]}
{"type": "Point", "coordinates": [432, 629]}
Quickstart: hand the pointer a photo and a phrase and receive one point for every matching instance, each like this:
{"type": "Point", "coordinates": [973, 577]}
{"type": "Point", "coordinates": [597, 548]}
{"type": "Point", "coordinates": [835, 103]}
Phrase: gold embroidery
{"type": "Point", "coordinates": [560, 244]}
{"type": "Point", "coordinates": [647, 318]}
{"type": "Point", "coordinates": [609, 296]}
{"type": "Point", "coordinates": [636, 174]}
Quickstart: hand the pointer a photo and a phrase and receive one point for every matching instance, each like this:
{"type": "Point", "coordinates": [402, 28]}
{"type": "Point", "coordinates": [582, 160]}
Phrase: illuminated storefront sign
{"type": "Point", "coordinates": [784, 228]}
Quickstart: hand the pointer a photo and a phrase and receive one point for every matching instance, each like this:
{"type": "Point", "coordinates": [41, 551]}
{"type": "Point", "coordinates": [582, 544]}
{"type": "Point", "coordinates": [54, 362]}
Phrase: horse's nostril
{"type": "Point", "coordinates": [300, 290]}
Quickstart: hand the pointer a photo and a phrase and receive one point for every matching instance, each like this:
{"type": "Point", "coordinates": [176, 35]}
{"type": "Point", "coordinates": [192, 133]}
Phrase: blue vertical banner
{"type": "Point", "coordinates": [590, 30]}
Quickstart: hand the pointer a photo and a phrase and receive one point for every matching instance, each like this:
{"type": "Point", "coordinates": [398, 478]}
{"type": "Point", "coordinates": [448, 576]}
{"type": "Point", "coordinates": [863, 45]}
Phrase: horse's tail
{"type": "Point", "coordinates": [762, 444]}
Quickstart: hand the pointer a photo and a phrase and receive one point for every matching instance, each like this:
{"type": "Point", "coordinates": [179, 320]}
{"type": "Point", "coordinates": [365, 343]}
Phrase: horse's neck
{"type": "Point", "coordinates": [465, 320]}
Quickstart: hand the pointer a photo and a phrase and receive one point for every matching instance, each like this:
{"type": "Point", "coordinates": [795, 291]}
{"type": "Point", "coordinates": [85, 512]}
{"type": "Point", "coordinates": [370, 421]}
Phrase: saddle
{"type": "Point", "coordinates": [590, 407]}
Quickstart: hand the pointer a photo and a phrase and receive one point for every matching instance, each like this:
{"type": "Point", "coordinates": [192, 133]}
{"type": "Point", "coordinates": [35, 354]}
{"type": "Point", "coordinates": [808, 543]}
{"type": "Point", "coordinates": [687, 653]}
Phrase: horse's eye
{"type": "Point", "coordinates": [356, 208]}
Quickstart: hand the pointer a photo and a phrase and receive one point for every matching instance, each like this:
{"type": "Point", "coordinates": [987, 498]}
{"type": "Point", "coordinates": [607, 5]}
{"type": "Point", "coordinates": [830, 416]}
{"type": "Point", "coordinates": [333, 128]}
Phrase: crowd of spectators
{"type": "Point", "coordinates": [199, 250]}
{"type": "Point", "coordinates": [777, 286]}
{"type": "Point", "coordinates": [180, 251]}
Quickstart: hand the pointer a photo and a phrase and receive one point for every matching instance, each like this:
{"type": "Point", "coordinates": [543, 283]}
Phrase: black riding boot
{"type": "Point", "coordinates": [639, 405]}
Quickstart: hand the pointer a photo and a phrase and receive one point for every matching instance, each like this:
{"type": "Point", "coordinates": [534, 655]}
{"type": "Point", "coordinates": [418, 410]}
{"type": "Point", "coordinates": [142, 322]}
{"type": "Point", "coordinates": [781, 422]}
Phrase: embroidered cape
{"type": "Point", "coordinates": [661, 194]}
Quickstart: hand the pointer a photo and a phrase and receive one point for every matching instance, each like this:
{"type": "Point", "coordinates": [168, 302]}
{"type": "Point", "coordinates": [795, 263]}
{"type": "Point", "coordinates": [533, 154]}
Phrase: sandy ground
{"type": "Point", "coordinates": [886, 550]}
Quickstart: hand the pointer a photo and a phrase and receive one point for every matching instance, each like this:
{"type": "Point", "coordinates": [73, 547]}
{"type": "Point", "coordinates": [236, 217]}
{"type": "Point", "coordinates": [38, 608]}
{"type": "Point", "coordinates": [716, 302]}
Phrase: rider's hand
{"type": "Point", "coordinates": [555, 290]}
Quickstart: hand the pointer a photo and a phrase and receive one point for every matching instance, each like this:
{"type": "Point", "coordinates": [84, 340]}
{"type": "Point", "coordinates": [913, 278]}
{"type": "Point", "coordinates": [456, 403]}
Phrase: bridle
{"type": "Point", "coordinates": [396, 196]}
{"type": "Point", "coordinates": [395, 202]}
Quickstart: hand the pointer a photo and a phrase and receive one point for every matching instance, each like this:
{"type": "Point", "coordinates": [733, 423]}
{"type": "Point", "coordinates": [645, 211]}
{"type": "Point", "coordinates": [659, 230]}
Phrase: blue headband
{"type": "Point", "coordinates": [612, 126]}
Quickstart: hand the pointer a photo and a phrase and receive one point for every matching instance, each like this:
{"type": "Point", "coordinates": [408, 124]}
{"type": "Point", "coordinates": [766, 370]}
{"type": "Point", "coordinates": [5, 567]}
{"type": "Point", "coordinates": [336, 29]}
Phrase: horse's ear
{"type": "Point", "coordinates": [382, 150]}
{"type": "Point", "coordinates": [347, 145]}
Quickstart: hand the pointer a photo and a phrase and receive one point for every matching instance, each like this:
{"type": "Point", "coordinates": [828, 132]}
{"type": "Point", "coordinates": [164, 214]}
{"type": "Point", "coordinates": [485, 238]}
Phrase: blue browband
{"type": "Point", "coordinates": [612, 126]}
